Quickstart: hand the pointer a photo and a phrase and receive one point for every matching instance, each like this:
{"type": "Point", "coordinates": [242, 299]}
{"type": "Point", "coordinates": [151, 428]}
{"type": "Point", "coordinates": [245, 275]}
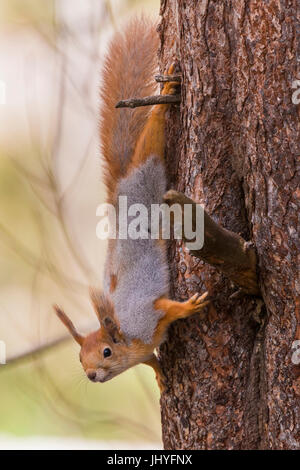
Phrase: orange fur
{"type": "Point", "coordinates": [113, 283]}
{"type": "Point", "coordinates": [154, 363]}
{"type": "Point", "coordinates": [152, 139]}
{"type": "Point", "coordinates": [129, 71]}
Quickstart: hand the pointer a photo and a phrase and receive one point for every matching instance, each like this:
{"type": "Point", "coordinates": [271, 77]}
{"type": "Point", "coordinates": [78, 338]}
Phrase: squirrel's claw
{"type": "Point", "coordinates": [197, 298]}
{"type": "Point", "coordinates": [197, 302]}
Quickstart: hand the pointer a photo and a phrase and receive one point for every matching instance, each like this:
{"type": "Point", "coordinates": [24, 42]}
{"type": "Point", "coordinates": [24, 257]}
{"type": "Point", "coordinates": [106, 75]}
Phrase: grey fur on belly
{"type": "Point", "coordinates": [140, 265]}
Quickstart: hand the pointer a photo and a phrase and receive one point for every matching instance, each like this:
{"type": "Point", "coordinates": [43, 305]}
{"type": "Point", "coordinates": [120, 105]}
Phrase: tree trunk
{"type": "Point", "coordinates": [233, 145]}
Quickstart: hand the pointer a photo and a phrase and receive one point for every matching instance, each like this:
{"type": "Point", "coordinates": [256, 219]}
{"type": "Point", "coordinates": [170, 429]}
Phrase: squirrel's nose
{"type": "Point", "coordinates": [91, 375]}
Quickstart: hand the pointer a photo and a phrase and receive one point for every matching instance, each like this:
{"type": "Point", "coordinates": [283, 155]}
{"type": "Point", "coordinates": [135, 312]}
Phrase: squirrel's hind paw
{"type": "Point", "coordinates": [161, 381]}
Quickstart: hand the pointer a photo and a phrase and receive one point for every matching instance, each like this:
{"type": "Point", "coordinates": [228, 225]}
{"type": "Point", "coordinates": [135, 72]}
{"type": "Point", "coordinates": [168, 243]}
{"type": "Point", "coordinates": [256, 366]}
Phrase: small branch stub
{"type": "Point", "coordinates": [168, 78]}
{"type": "Point", "coordinates": [148, 101]}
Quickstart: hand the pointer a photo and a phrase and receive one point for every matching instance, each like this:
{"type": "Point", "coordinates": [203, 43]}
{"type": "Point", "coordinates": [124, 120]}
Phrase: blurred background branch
{"type": "Point", "coordinates": [50, 187]}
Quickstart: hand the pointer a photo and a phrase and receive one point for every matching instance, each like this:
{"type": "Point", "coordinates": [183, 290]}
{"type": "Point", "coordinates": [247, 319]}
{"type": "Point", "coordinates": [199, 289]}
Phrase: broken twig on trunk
{"type": "Point", "coordinates": [148, 101]}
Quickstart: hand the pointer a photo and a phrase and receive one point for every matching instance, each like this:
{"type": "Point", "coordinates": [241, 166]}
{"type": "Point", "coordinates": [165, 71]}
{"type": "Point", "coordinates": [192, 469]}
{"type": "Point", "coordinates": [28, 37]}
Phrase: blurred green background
{"type": "Point", "coordinates": [50, 186]}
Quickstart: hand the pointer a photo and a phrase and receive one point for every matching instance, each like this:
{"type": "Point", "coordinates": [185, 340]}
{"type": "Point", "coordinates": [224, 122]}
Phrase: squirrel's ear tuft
{"type": "Point", "coordinates": [102, 304]}
{"type": "Point", "coordinates": [113, 330]}
{"type": "Point", "coordinates": [104, 309]}
{"type": "Point", "coordinates": [67, 322]}
{"type": "Point", "coordinates": [98, 301]}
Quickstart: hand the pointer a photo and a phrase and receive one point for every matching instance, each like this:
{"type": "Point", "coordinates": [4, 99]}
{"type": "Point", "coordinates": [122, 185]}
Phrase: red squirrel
{"type": "Point", "coordinates": [134, 308]}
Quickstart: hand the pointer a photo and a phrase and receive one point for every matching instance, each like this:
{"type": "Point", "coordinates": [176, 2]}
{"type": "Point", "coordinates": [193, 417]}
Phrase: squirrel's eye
{"type": "Point", "coordinates": [107, 352]}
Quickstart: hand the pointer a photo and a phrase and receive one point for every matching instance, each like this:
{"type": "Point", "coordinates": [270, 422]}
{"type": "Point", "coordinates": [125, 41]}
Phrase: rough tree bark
{"type": "Point", "coordinates": [234, 146]}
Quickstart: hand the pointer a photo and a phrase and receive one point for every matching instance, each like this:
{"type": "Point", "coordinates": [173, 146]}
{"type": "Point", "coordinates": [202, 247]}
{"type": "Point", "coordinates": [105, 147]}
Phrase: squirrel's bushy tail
{"type": "Point", "coordinates": [128, 72]}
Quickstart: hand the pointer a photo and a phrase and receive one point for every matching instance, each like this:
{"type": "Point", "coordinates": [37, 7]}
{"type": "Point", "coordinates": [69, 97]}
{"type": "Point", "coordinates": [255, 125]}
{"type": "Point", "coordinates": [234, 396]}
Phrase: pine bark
{"type": "Point", "coordinates": [233, 145]}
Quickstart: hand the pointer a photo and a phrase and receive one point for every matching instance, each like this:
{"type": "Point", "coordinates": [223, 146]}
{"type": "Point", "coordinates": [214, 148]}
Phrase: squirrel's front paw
{"type": "Point", "coordinates": [197, 302]}
{"type": "Point", "coordinates": [171, 88]}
